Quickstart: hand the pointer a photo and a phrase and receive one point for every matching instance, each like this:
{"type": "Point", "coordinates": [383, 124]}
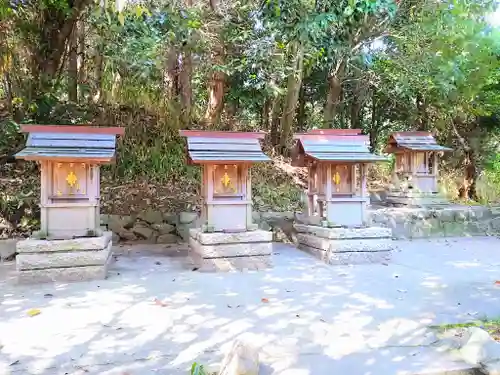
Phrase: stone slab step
{"type": "Point", "coordinates": [341, 246]}
{"type": "Point", "coordinates": [230, 250]}
{"type": "Point", "coordinates": [348, 258]}
{"type": "Point", "coordinates": [62, 274]}
{"type": "Point", "coordinates": [32, 261]}
{"type": "Point", "coordinates": [228, 238]}
{"type": "Point", "coordinates": [245, 263]}
{"type": "Point", "coordinates": [344, 233]}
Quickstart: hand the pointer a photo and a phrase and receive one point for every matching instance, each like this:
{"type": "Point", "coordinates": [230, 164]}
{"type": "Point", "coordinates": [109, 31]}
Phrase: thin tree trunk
{"type": "Point", "coordinates": [264, 115]}
{"type": "Point", "coordinates": [73, 67]}
{"type": "Point", "coordinates": [98, 94]}
{"type": "Point", "coordinates": [217, 81]}
{"type": "Point", "coordinates": [422, 113]}
{"type": "Point", "coordinates": [334, 95]}
{"type": "Point", "coordinates": [292, 97]}
{"type": "Point", "coordinates": [301, 110]}
{"type": "Point", "coordinates": [186, 91]}
{"type": "Point", "coordinates": [82, 76]}
{"type": "Point", "coordinates": [275, 121]}
{"type": "Point", "coordinates": [8, 91]}
{"type": "Point", "coordinates": [373, 126]}
{"type": "Point", "coordinates": [170, 76]}
{"type": "Point", "coordinates": [469, 183]}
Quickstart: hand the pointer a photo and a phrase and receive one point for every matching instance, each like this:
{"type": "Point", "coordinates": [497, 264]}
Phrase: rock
{"type": "Point", "coordinates": [143, 232]}
{"type": "Point", "coordinates": [265, 226]}
{"type": "Point", "coordinates": [274, 216]}
{"type": "Point", "coordinates": [242, 359]}
{"type": "Point", "coordinates": [170, 218]}
{"type": "Point", "coordinates": [115, 238]}
{"type": "Point", "coordinates": [183, 229]}
{"type": "Point", "coordinates": [187, 217]}
{"type": "Point", "coordinates": [163, 228]}
{"type": "Point", "coordinates": [479, 348]}
{"type": "Point", "coordinates": [127, 235]}
{"type": "Point", "coordinates": [492, 368]}
{"type": "Point", "coordinates": [167, 238]}
{"type": "Point", "coordinates": [256, 217]}
{"type": "Point", "coordinates": [116, 223]}
{"type": "Point", "coordinates": [7, 249]}
{"type": "Point", "coordinates": [151, 216]}
{"type": "Point", "coordinates": [105, 219]}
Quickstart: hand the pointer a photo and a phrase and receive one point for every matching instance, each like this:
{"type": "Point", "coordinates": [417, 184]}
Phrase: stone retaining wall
{"type": "Point", "coordinates": [452, 221]}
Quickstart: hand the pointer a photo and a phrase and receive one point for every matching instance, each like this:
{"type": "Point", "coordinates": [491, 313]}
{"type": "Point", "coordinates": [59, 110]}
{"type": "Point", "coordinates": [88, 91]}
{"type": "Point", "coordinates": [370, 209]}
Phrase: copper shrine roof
{"type": "Point", "coordinates": [64, 142]}
{"type": "Point", "coordinates": [339, 145]}
{"type": "Point", "coordinates": [221, 146]}
{"type": "Point", "coordinates": [415, 141]}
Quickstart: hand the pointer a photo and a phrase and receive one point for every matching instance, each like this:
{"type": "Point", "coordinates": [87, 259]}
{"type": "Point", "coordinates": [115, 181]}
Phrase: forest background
{"type": "Point", "coordinates": [285, 66]}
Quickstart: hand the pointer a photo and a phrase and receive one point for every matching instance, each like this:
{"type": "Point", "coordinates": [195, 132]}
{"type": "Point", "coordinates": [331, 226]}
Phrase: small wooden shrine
{"type": "Point", "coordinates": [337, 160]}
{"type": "Point", "coordinates": [69, 159]}
{"type": "Point", "coordinates": [416, 166]}
{"type": "Point", "coordinates": [225, 159]}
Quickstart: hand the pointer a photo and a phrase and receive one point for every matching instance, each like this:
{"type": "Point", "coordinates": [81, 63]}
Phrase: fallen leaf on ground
{"type": "Point", "coordinates": [497, 282]}
{"type": "Point", "coordinates": [48, 295]}
{"type": "Point", "coordinates": [14, 363]}
{"type": "Point", "coordinates": [33, 312]}
{"type": "Point", "coordinates": [265, 300]}
{"type": "Point", "coordinates": [159, 303]}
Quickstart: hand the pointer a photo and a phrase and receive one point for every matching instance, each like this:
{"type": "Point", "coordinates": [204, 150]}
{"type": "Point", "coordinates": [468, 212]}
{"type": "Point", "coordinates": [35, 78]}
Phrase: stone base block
{"type": "Point", "coordinates": [346, 245]}
{"type": "Point", "coordinates": [244, 263]}
{"type": "Point", "coordinates": [348, 258]}
{"type": "Point", "coordinates": [63, 260]}
{"type": "Point", "coordinates": [62, 274]}
{"type": "Point", "coordinates": [219, 252]}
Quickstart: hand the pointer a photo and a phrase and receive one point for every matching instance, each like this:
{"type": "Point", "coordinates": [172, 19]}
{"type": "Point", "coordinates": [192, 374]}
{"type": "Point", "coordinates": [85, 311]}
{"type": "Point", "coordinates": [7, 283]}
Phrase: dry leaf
{"type": "Point", "coordinates": [33, 312]}
{"type": "Point", "coordinates": [159, 303]}
{"type": "Point", "coordinates": [265, 300]}
{"type": "Point", "coordinates": [497, 282]}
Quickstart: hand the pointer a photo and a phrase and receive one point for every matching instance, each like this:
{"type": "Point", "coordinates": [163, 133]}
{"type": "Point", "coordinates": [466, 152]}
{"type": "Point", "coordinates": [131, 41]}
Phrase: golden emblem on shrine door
{"type": "Point", "coordinates": [226, 180]}
{"type": "Point", "coordinates": [71, 179]}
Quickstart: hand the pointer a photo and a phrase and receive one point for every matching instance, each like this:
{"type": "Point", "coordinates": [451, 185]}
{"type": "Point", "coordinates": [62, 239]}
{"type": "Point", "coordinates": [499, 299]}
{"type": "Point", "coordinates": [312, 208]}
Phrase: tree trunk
{"type": "Point", "coordinates": [186, 91]}
{"type": "Point", "coordinates": [334, 95]}
{"type": "Point", "coordinates": [292, 97]}
{"type": "Point", "coordinates": [216, 83]}
{"type": "Point", "coordinates": [264, 115]}
{"type": "Point", "coordinates": [422, 113]}
{"type": "Point", "coordinates": [98, 94]}
{"type": "Point", "coordinates": [8, 91]}
{"type": "Point", "coordinates": [469, 183]}
{"type": "Point", "coordinates": [73, 67]}
{"type": "Point", "coordinates": [170, 78]}
{"type": "Point", "coordinates": [49, 46]}
{"type": "Point", "coordinates": [275, 121]}
{"type": "Point", "coordinates": [215, 91]}
{"type": "Point", "coordinates": [82, 76]}
{"type": "Point", "coordinates": [301, 110]}
{"type": "Point", "coordinates": [373, 126]}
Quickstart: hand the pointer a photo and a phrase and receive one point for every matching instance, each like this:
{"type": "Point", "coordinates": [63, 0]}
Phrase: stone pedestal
{"type": "Point", "coordinates": [77, 259]}
{"type": "Point", "coordinates": [216, 252]}
{"type": "Point", "coordinates": [342, 246]}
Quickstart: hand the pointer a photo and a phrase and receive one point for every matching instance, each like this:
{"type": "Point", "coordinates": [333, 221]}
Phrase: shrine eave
{"type": "Point", "coordinates": [217, 150]}
{"type": "Point", "coordinates": [346, 157]}
{"type": "Point", "coordinates": [414, 141]}
{"type": "Point", "coordinates": [57, 146]}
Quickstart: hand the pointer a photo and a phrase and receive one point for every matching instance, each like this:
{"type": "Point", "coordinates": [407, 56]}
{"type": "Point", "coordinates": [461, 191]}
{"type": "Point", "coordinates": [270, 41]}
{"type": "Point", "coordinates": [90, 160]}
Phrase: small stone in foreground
{"type": "Point", "coordinates": [480, 348]}
{"type": "Point", "coordinates": [242, 359]}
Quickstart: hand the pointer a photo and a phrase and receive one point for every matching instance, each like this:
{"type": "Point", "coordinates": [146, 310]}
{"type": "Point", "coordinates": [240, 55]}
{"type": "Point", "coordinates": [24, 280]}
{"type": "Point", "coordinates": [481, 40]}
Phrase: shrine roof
{"type": "Point", "coordinates": [69, 143]}
{"type": "Point", "coordinates": [341, 145]}
{"type": "Point", "coordinates": [218, 146]}
{"type": "Point", "coordinates": [415, 141]}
